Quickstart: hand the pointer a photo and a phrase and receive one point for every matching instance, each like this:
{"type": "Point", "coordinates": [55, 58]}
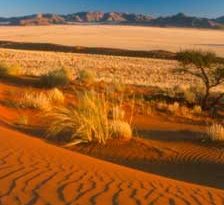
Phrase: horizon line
{"type": "Point", "coordinates": [136, 13]}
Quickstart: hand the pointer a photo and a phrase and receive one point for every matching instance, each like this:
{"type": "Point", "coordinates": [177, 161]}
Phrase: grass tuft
{"type": "Point", "coordinates": [88, 121]}
{"type": "Point", "coordinates": [216, 133]}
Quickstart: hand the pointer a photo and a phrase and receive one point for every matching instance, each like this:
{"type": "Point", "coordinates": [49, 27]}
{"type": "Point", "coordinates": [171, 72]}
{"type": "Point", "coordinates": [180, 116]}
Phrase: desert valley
{"type": "Point", "coordinates": [111, 114]}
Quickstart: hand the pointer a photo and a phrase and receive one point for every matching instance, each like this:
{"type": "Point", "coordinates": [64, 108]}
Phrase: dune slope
{"type": "Point", "coordinates": [34, 172]}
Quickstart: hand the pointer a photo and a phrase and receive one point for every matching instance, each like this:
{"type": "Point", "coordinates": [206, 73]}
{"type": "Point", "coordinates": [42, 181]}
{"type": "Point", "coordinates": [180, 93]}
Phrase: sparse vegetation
{"type": "Point", "coordinates": [55, 96]}
{"type": "Point", "coordinates": [121, 130]}
{"type": "Point", "coordinates": [216, 133]}
{"type": "Point", "coordinates": [204, 65]}
{"type": "Point", "coordinates": [42, 100]}
{"type": "Point", "coordinates": [86, 76]}
{"type": "Point", "coordinates": [197, 109]}
{"type": "Point", "coordinates": [88, 121]}
{"type": "Point", "coordinates": [7, 70]}
{"type": "Point", "coordinates": [56, 78]}
{"type": "Point", "coordinates": [23, 120]}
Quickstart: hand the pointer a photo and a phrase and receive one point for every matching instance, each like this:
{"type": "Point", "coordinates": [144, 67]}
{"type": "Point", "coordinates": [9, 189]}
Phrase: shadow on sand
{"type": "Point", "coordinates": [21, 81]}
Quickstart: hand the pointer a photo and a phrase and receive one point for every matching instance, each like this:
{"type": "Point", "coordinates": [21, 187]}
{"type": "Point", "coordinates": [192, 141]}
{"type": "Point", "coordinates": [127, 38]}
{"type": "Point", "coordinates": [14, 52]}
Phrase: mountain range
{"type": "Point", "coordinates": [98, 17]}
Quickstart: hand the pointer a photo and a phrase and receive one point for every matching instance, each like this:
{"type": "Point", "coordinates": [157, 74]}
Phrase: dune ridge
{"type": "Point", "coordinates": [34, 172]}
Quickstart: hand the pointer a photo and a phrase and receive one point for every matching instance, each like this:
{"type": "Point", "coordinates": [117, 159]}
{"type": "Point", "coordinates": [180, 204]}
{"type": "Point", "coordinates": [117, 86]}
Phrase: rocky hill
{"type": "Point", "coordinates": [179, 20]}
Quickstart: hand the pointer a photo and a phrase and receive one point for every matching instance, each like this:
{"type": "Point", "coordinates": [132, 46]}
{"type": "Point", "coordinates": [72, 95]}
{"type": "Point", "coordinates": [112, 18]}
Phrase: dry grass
{"type": "Point", "coordinates": [86, 122]}
{"type": "Point", "coordinates": [32, 99]}
{"type": "Point", "coordinates": [123, 70]}
{"type": "Point", "coordinates": [121, 130]}
{"type": "Point", "coordinates": [126, 70]}
{"type": "Point", "coordinates": [216, 133]}
{"type": "Point", "coordinates": [86, 76]}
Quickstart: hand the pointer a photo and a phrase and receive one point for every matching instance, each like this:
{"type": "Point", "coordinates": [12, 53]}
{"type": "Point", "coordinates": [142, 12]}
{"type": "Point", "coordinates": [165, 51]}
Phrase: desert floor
{"type": "Point", "coordinates": [173, 159]}
{"type": "Point", "coordinates": [45, 174]}
{"type": "Point", "coordinates": [125, 37]}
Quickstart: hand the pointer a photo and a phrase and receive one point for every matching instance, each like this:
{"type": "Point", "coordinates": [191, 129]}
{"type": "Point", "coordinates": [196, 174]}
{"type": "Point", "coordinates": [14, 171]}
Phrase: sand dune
{"type": "Point", "coordinates": [125, 37]}
{"type": "Point", "coordinates": [33, 172]}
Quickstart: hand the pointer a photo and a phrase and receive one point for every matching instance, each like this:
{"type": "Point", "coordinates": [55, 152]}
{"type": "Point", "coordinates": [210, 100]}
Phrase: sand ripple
{"type": "Point", "coordinates": [33, 172]}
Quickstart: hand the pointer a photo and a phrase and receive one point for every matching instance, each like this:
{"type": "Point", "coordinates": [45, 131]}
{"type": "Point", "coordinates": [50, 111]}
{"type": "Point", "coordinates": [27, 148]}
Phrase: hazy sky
{"type": "Point", "coordinates": [211, 8]}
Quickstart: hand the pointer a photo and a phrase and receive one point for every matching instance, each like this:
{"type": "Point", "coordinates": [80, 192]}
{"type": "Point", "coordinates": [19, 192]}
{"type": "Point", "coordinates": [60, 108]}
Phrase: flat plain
{"type": "Point", "coordinates": [124, 37]}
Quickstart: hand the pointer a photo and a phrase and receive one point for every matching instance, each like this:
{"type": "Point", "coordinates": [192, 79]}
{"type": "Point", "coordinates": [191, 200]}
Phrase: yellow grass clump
{"type": "Point", "coordinates": [86, 122]}
{"type": "Point", "coordinates": [216, 133]}
{"type": "Point", "coordinates": [42, 100]}
{"type": "Point", "coordinates": [56, 96]}
{"type": "Point", "coordinates": [86, 76]}
{"type": "Point", "coordinates": [121, 130]}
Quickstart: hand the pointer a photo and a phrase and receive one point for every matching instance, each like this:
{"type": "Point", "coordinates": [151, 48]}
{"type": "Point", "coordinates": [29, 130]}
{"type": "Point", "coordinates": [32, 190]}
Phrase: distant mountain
{"type": "Point", "coordinates": [178, 20]}
{"type": "Point", "coordinates": [39, 19]}
{"type": "Point", "coordinates": [181, 20]}
{"type": "Point", "coordinates": [110, 17]}
{"type": "Point", "coordinates": [220, 20]}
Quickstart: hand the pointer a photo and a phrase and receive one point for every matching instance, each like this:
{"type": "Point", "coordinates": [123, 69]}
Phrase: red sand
{"type": "Point", "coordinates": [34, 172]}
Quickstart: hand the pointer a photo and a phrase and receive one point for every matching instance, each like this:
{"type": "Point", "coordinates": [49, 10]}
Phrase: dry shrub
{"type": "Point", "coordinates": [216, 133]}
{"type": "Point", "coordinates": [88, 121]}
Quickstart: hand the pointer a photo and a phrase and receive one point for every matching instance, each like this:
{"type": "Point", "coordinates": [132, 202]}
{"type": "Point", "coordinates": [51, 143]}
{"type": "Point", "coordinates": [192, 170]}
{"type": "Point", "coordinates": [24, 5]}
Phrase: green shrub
{"type": "Point", "coordinates": [3, 71]}
{"type": "Point", "coordinates": [205, 67]}
{"type": "Point", "coordinates": [57, 78]}
{"type": "Point", "coordinates": [7, 70]}
{"type": "Point", "coordinates": [86, 76]}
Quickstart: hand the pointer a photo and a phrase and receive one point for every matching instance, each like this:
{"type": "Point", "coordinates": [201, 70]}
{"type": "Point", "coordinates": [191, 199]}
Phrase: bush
{"type": "Point", "coordinates": [6, 70]}
{"type": "Point", "coordinates": [216, 133]}
{"type": "Point", "coordinates": [57, 78]}
{"type": "Point", "coordinates": [86, 76]}
{"type": "Point", "coordinates": [88, 121]}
